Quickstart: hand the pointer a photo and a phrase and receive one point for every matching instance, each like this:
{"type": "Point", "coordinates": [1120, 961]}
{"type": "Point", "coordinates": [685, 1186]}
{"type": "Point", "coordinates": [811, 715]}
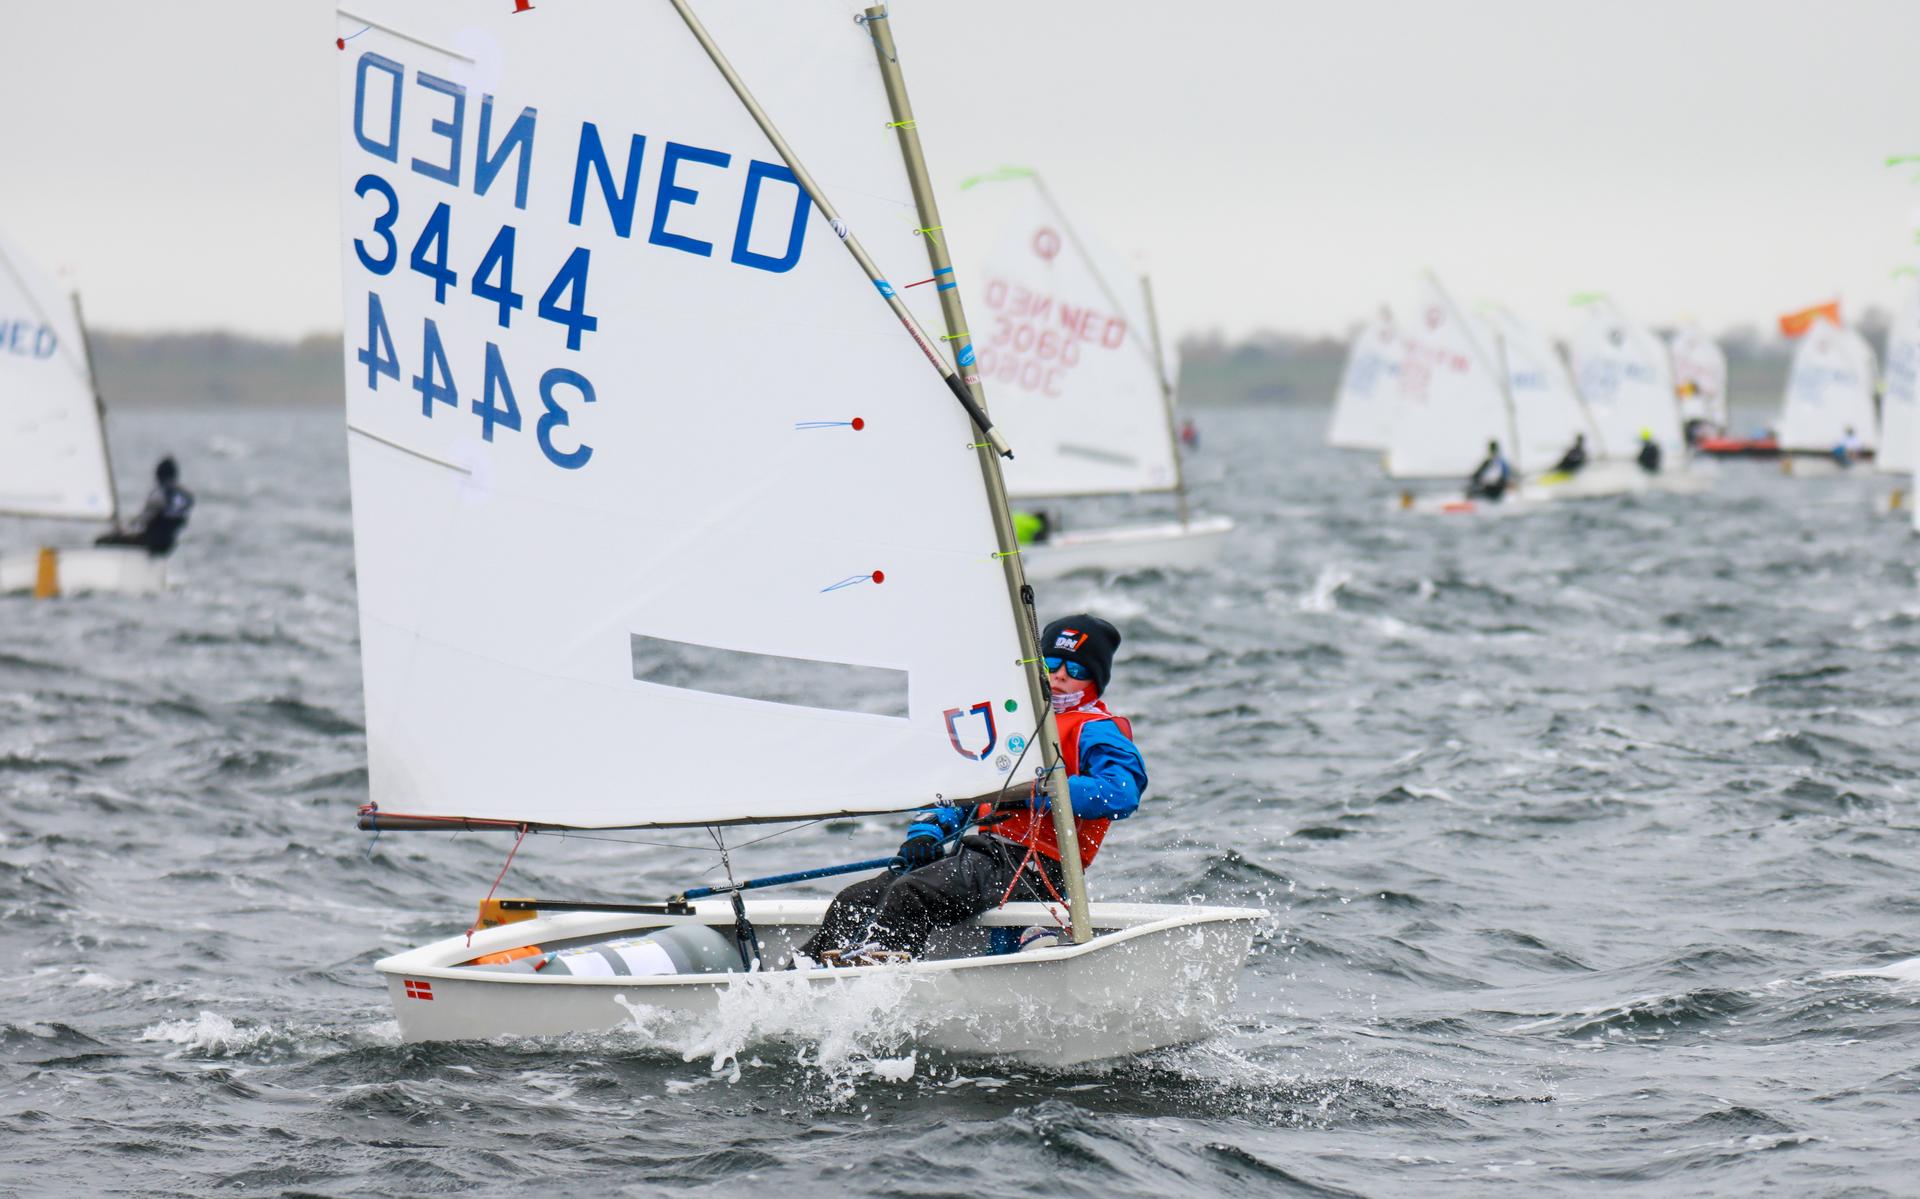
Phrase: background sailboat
{"type": "Point", "coordinates": [1829, 392]}
{"type": "Point", "coordinates": [1623, 374]}
{"type": "Point", "coordinates": [1363, 408]}
{"type": "Point", "coordinates": [696, 538]}
{"type": "Point", "coordinates": [1548, 412]}
{"type": "Point", "coordinates": [1699, 377]}
{"type": "Point", "coordinates": [1452, 397]}
{"type": "Point", "coordinates": [53, 446]}
{"type": "Point", "coordinates": [1070, 349]}
{"type": "Point", "coordinates": [1899, 451]}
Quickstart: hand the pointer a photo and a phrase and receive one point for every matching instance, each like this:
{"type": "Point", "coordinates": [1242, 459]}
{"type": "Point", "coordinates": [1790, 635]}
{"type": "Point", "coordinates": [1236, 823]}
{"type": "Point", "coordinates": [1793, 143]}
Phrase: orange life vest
{"type": "Point", "coordinates": [1036, 828]}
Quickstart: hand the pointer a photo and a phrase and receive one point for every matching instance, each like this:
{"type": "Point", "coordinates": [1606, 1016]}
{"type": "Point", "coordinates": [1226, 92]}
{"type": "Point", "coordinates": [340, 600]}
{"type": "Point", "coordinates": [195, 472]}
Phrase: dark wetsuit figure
{"type": "Point", "coordinates": [159, 523]}
{"type": "Point", "coordinates": [1575, 457]}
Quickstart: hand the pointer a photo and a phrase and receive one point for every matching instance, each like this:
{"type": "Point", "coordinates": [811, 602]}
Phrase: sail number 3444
{"type": "Point", "coordinates": [563, 303]}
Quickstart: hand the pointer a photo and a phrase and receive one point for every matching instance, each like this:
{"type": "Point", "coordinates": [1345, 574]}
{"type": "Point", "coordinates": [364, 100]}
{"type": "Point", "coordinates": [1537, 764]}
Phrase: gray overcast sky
{"type": "Point", "coordinates": [1279, 164]}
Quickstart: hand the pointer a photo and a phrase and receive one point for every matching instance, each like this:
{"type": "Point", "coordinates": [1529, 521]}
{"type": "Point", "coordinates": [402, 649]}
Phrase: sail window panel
{"type": "Point", "coordinates": [770, 678]}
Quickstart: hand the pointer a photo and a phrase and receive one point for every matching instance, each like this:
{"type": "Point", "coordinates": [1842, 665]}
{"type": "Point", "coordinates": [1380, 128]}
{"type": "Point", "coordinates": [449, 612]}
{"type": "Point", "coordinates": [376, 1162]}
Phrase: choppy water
{"type": "Point", "coordinates": [1572, 824]}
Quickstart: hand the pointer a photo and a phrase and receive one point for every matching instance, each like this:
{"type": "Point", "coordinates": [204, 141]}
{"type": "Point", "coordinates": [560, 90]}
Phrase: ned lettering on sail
{"type": "Point", "coordinates": [605, 169]}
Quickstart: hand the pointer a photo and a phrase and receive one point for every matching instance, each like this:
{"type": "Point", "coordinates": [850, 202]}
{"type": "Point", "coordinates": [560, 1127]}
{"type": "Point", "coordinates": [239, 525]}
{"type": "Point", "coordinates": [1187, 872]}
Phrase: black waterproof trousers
{"type": "Point", "coordinates": [900, 911]}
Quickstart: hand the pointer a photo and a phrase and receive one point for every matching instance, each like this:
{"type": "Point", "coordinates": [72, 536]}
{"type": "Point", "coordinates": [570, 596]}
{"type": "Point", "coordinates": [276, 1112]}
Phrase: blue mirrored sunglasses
{"type": "Point", "coordinates": [1074, 669]}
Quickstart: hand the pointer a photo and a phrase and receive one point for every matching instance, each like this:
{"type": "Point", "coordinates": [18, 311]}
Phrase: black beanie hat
{"type": "Point", "coordinates": [168, 470]}
{"type": "Point", "coordinates": [1085, 639]}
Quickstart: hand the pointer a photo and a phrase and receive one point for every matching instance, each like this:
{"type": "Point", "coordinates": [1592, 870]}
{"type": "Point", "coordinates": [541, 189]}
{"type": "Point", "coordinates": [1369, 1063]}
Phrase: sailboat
{"type": "Point", "coordinates": [1454, 397]}
{"type": "Point", "coordinates": [1623, 375]}
{"type": "Point", "coordinates": [1900, 397]}
{"type": "Point", "coordinates": [53, 442]}
{"type": "Point", "coordinates": [1830, 392]}
{"type": "Point", "coordinates": [665, 514]}
{"type": "Point", "coordinates": [1548, 411]}
{"type": "Point", "coordinates": [1364, 406]}
{"type": "Point", "coordinates": [1069, 342]}
{"type": "Point", "coordinates": [1699, 379]}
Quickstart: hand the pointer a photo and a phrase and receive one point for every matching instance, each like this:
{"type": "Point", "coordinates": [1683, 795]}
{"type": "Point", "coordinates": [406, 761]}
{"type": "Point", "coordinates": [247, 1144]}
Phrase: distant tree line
{"type": "Point", "coordinates": [216, 370]}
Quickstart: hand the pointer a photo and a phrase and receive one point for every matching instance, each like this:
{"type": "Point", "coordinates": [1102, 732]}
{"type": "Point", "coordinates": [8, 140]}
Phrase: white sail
{"type": "Point", "coordinates": [1699, 375]}
{"type": "Point", "coordinates": [1451, 399]}
{"type": "Point", "coordinates": [1363, 408]}
{"type": "Point", "coordinates": [1065, 349]}
{"type": "Point", "coordinates": [1623, 375]}
{"type": "Point", "coordinates": [53, 451]}
{"type": "Point", "coordinates": [660, 518]}
{"type": "Point", "coordinates": [1547, 412]}
{"type": "Point", "coordinates": [1900, 400]}
{"type": "Point", "coordinates": [1829, 391]}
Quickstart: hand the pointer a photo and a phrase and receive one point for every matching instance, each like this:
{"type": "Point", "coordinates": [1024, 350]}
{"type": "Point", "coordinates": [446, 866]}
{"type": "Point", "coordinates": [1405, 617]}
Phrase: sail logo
{"type": "Point", "coordinates": [26, 340]}
{"type": "Point", "coordinates": [1046, 243]}
{"type": "Point", "coordinates": [959, 717]}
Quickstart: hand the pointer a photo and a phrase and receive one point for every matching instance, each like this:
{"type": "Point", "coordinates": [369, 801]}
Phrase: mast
{"type": "Point", "coordinates": [1166, 394]}
{"type": "Point", "coordinates": [99, 407]}
{"type": "Point", "coordinates": [1506, 393]}
{"type": "Point", "coordinates": [1019, 594]}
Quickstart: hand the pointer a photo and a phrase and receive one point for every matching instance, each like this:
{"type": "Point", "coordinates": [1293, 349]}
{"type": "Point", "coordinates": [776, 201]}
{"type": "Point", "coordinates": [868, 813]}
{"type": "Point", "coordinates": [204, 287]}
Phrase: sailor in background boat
{"type": "Point", "coordinates": [1490, 480]}
{"type": "Point", "coordinates": [1032, 528]}
{"type": "Point", "coordinates": [160, 522]}
{"type": "Point", "coordinates": [1575, 457]}
{"type": "Point", "coordinates": [1649, 456]}
{"type": "Point", "coordinates": [1850, 448]}
{"type": "Point", "coordinates": [890, 916]}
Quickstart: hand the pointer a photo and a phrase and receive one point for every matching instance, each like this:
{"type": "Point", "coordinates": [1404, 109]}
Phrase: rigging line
{"type": "Point", "coordinates": [504, 866]}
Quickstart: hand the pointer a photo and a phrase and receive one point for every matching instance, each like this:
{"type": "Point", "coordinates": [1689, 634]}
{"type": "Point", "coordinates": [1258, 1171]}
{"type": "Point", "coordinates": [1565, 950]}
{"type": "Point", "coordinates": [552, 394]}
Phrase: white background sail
{"type": "Point", "coordinates": [1363, 408]}
{"type": "Point", "coordinates": [1065, 350]}
{"type": "Point", "coordinates": [1698, 360]}
{"type": "Point", "coordinates": [1829, 390]}
{"type": "Point", "coordinates": [724, 611]}
{"type": "Point", "coordinates": [1451, 401]}
{"type": "Point", "coordinates": [1900, 401]}
{"type": "Point", "coordinates": [1623, 375]}
{"type": "Point", "coordinates": [53, 453]}
{"type": "Point", "coordinates": [1546, 411]}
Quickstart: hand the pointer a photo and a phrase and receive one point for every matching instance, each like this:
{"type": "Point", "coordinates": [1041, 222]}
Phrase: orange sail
{"type": "Point", "coordinates": [1796, 324]}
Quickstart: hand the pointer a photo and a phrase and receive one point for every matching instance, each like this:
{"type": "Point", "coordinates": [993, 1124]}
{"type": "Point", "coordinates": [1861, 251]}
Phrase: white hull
{"type": "Point", "coordinates": [1168, 546]}
{"type": "Point", "coordinates": [114, 570]}
{"type": "Point", "coordinates": [1155, 975]}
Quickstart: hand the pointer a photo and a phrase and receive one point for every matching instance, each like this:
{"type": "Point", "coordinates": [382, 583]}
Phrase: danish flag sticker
{"type": "Point", "coordinates": [417, 989]}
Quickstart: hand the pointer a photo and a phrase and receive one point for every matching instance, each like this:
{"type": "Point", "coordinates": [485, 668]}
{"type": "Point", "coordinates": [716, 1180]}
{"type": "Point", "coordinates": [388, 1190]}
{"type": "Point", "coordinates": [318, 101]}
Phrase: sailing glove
{"type": "Point", "coordinates": [928, 833]}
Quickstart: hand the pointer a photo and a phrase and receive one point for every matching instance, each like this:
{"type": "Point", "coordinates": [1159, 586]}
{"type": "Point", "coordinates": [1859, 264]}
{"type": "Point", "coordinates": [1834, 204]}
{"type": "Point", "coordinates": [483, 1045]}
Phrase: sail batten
{"type": "Point", "coordinates": [675, 414]}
